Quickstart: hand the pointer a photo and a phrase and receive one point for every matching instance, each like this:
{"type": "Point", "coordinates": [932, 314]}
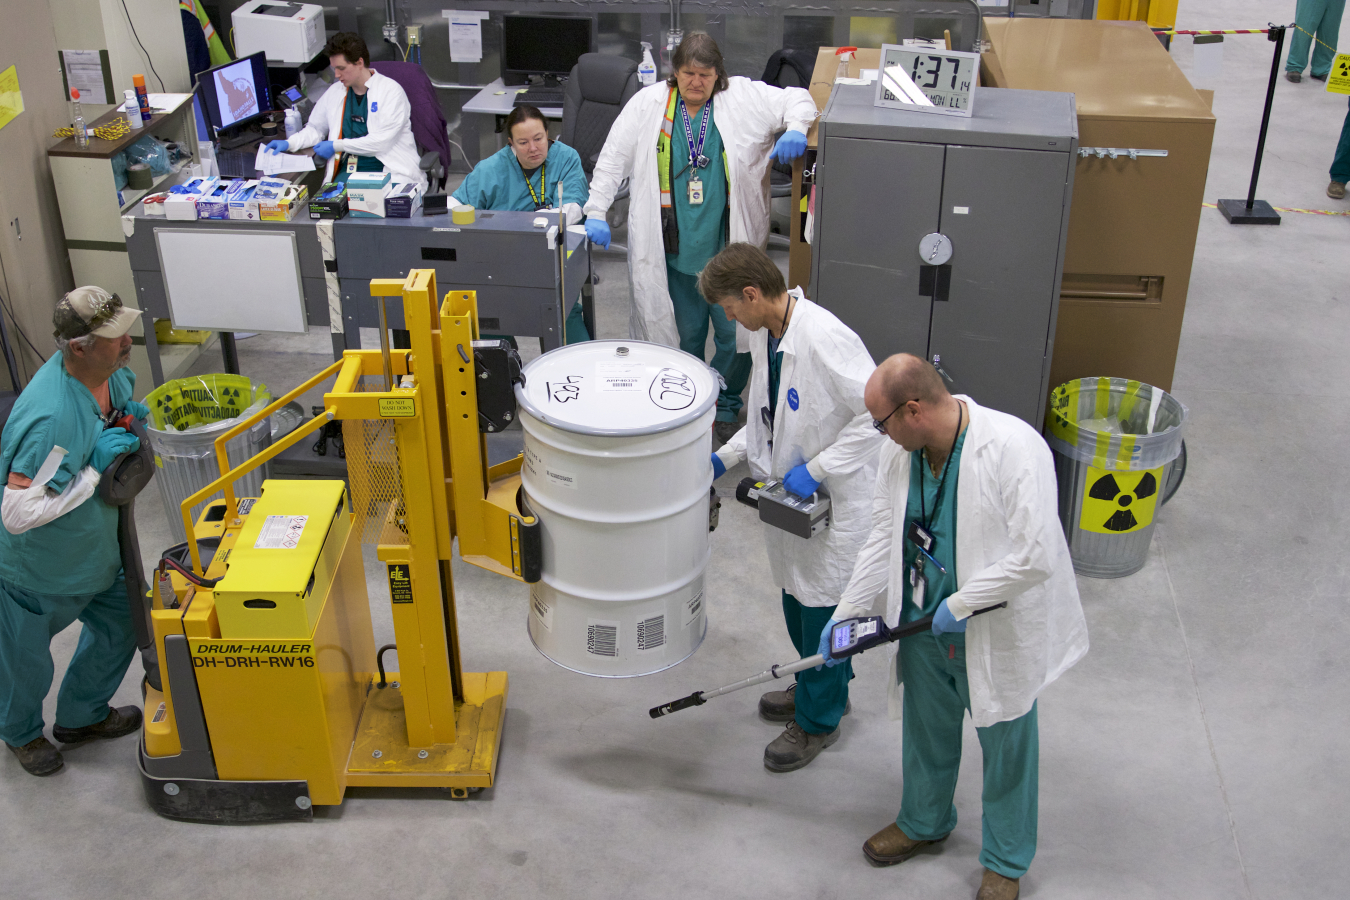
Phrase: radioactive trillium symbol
{"type": "Point", "coordinates": [1119, 502]}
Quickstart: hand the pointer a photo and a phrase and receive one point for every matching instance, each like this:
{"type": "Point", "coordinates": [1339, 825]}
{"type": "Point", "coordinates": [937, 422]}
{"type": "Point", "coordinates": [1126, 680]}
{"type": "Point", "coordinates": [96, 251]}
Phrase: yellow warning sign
{"type": "Point", "coordinates": [397, 408]}
{"type": "Point", "coordinates": [1338, 82]}
{"type": "Point", "coordinates": [1119, 502]}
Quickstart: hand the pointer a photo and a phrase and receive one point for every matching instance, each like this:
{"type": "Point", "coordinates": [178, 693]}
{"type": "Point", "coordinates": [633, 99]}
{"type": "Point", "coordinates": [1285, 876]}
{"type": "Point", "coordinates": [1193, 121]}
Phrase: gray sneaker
{"type": "Point", "coordinates": [794, 748]}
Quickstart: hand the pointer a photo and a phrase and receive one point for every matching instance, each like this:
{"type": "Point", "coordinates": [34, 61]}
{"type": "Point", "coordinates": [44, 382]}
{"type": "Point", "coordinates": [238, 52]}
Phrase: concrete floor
{"type": "Point", "coordinates": [1195, 752]}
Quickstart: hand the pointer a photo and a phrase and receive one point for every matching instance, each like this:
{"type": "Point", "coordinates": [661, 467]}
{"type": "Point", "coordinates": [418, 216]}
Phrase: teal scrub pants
{"type": "Point", "coordinates": [936, 698]}
{"type": "Point", "coordinates": [1322, 18]}
{"type": "Point", "coordinates": [574, 329]}
{"type": "Point", "coordinates": [692, 314]}
{"type": "Point", "coordinates": [28, 622]}
{"type": "Point", "coordinates": [1340, 166]}
{"type": "Point", "coordinates": [821, 696]}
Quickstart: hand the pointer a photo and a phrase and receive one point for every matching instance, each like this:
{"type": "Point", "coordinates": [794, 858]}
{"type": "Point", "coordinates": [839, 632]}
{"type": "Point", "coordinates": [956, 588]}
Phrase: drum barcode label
{"type": "Point", "coordinates": [693, 607]}
{"type": "Point", "coordinates": [602, 638]}
{"type": "Point", "coordinates": [542, 611]}
{"type": "Point", "coordinates": [651, 633]}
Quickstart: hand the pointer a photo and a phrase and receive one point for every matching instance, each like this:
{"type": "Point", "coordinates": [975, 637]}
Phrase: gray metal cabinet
{"type": "Point", "coordinates": [997, 186]}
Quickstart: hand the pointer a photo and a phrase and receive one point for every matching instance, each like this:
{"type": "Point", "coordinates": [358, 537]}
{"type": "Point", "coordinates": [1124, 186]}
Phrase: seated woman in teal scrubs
{"type": "Point", "coordinates": [524, 176]}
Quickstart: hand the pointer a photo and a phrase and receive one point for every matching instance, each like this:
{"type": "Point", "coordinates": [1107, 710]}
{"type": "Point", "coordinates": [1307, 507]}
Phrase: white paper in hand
{"type": "Point", "coordinates": [270, 163]}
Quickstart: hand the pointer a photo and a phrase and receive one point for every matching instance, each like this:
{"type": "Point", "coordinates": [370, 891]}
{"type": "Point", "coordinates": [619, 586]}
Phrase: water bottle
{"type": "Point", "coordinates": [81, 136]}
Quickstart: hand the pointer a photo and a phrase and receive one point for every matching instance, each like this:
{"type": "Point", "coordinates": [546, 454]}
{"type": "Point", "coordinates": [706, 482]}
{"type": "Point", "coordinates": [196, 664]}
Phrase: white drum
{"type": "Point", "coordinates": [618, 446]}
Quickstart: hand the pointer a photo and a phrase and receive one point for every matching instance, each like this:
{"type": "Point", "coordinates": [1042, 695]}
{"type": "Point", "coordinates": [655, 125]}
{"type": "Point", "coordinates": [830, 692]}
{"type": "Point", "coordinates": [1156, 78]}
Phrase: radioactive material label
{"type": "Point", "coordinates": [1338, 81]}
{"type": "Point", "coordinates": [400, 583]}
{"type": "Point", "coordinates": [1119, 502]}
{"type": "Point", "coordinates": [397, 407]}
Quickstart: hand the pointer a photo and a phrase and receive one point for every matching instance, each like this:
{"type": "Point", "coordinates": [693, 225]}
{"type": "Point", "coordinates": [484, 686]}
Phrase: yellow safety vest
{"type": "Point", "coordinates": [219, 55]}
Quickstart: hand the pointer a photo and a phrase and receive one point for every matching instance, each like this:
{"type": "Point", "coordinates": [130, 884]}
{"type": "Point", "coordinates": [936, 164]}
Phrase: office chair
{"type": "Point", "coordinates": [786, 68]}
{"type": "Point", "coordinates": [428, 122]}
{"type": "Point", "coordinates": [597, 89]}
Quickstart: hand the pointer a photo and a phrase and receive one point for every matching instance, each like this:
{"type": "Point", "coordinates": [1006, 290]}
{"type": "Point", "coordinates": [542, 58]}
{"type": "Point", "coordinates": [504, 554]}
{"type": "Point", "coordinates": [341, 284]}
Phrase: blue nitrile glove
{"type": "Point", "coordinates": [598, 231]}
{"type": "Point", "coordinates": [323, 149]}
{"type": "Point", "coordinates": [944, 621]}
{"type": "Point", "coordinates": [719, 467]}
{"type": "Point", "coordinates": [139, 410]}
{"type": "Point", "coordinates": [824, 648]}
{"type": "Point", "coordinates": [112, 443]}
{"type": "Point", "coordinates": [790, 146]}
{"type": "Point", "coordinates": [279, 146]}
{"type": "Point", "coordinates": [800, 482]}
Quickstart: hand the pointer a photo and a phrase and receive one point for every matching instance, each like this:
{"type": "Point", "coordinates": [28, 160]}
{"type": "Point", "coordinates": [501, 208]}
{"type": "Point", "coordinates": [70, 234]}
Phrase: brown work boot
{"type": "Point", "coordinates": [120, 721]}
{"type": "Point", "coordinates": [1336, 190]}
{"type": "Point", "coordinates": [794, 748]}
{"type": "Point", "coordinates": [779, 706]}
{"type": "Point", "coordinates": [38, 756]}
{"type": "Point", "coordinates": [997, 887]}
{"type": "Point", "coordinates": [890, 845]}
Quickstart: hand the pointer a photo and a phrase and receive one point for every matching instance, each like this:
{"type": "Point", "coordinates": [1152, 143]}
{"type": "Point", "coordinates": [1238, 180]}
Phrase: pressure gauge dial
{"type": "Point", "coordinates": [935, 249]}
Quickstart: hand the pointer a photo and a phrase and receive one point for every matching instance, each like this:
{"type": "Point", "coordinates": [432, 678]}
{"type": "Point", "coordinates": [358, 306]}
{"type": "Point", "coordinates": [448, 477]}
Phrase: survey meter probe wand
{"type": "Point", "coordinates": [848, 638]}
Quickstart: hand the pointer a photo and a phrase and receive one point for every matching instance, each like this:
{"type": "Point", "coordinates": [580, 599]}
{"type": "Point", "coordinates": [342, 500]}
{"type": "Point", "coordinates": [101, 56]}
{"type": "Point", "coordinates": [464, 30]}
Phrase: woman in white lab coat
{"type": "Point", "coordinates": [746, 115]}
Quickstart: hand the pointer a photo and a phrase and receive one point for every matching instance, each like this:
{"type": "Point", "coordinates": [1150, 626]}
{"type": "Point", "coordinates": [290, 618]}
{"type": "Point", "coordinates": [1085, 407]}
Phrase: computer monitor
{"type": "Point", "coordinates": [236, 93]}
{"type": "Point", "coordinates": [543, 45]}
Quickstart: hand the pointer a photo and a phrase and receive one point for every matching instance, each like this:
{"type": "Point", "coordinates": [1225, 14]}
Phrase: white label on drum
{"type": "Point", "coordinates": [602, 638]}
{"type": "Point", "coordinates": [651, 633]}
{"type": "Point", "coordinates": [560, 479]}
{"type": "Point", "coordinates": [620, 376]}
{"type": "Point", "coordinates": [692, 609]}
{"type": "Point", "coordinates": [542, 611]}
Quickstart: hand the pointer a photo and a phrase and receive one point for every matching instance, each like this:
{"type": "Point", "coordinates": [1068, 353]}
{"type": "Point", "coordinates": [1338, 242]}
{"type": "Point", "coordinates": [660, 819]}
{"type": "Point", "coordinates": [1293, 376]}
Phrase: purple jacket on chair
{"type": "Point", "coordinates": [428, 122]}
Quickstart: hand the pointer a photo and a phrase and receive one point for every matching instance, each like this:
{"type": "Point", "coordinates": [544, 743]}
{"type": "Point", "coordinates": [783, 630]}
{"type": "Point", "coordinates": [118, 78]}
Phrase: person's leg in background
{"type": "Point", "coordinates": [1340, 165]}
{"type": "Point", "coordinates": [691, 311]}
{"type": "Point", "coordinates": [1307, 15]}
{"type": "Point", "coordinates": [574, 329]}
{"type": "Point", "coordinates": [734, 367]}
{"type": "Point", "coordinates": [1328, 33]}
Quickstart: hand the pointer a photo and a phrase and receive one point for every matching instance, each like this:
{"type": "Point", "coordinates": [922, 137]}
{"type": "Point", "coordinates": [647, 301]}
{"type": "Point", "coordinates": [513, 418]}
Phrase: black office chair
{"type": "Point", "coordinates": [597, 89]}
{"type": "Point", "coordinates": [786, 68]}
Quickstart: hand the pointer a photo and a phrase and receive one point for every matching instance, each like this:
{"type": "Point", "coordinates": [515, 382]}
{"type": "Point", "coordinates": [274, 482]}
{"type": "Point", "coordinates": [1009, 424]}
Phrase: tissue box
{"type": "Point", "coordinates": [182, 202]}
{"type": "Point", "coordinates": [240, 200]}
{"type": "Point", "coordinates": [365, 194]}
{"type": "Point", "coordinates": [404, 199]}
{"type": "Point", "coordinates": [330, 202]}
{"type": "Point", "coordinates": [284, 208]}
{"type": "Point", "coordinates": [214, 204]}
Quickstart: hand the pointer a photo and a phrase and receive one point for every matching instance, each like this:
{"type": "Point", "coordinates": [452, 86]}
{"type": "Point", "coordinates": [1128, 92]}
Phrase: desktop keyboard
{"type": "Point", "coordinates": [237, 163]}
{"type": "Point", "coordinates": [540, 97]}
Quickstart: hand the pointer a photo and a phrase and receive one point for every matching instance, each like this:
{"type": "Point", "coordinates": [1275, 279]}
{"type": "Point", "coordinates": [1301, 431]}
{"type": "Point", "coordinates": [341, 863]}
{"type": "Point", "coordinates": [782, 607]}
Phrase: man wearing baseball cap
{"type": "Point", "coordinates": [59, 557]}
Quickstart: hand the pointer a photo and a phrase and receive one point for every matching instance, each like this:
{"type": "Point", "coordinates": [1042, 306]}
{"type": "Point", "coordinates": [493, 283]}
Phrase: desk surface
{"type": "Point", "coordinates": [498, 99]}
{"type": "Point", "coordinates": [485, 221]}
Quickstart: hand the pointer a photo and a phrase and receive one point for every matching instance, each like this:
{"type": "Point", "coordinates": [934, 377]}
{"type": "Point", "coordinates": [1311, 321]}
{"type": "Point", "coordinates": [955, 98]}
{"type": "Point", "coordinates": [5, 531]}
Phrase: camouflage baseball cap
{"type": "Point", "coordinates": [92, 310]}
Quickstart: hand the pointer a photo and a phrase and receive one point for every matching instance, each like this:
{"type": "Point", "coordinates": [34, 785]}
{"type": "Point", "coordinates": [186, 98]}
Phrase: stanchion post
{"type": "Point", "coordinates": [1253, 211]}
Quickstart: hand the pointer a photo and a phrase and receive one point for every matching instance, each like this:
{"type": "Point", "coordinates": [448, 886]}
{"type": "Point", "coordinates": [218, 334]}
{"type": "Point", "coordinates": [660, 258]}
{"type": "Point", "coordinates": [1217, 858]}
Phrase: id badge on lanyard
{"type": "Point", "coordinates": [695, 190]}
{"type": "Point", "coordinates": [351, 163]}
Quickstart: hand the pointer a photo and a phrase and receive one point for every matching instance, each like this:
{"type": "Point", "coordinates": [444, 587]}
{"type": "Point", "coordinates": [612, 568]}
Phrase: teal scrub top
{"type": "Point", "coordinates": [703, 228]}
{"type": "Point", "coordinates": [498, 182]}
{"type": "Point", "coordinates": [354, 126]}
{"type": "Point", "coordinates": [942, 523]}
{"type": "Point", "coordinates": [77, 553]}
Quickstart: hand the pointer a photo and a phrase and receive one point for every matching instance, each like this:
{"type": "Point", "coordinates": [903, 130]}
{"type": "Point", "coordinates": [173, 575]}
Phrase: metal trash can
{"type": "Point", "coordinates": [1119, 455]}
{"type": "Point", "coordinates": [186, 417]}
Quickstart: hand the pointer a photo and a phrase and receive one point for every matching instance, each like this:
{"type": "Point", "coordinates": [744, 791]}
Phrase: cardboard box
{"type": "Point", "coordinates": [282, 209]}
{"type": "Point", "coordinates": [241, 202]}
{"type": "Point", "coordinates": [330, 202]}
{"type": "Point", "coordinates": [214, 204]}
{"type": "Point", "coordinates": [404, 199]}
{"type": "Point", "coordinates": [182, 204]}
{"type": "Point", "coordinates": [365, 194]}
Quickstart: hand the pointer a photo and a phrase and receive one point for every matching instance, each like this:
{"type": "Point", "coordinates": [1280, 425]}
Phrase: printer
{"type": "Point", "coordinates": [287, 32]}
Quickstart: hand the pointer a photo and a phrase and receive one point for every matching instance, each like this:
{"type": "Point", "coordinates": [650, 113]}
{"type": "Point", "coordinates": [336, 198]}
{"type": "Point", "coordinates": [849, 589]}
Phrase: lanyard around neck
{"type": "Point", "coordinates": [946, 466]}
{"type": "Point", "coordinates": [540, 198]}
{"type": "Point", "coordinates": [696, 157]}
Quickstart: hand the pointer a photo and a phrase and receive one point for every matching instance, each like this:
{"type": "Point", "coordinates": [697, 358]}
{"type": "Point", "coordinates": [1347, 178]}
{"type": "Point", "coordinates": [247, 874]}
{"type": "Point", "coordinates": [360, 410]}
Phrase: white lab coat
{"type": "Point", "coordinates": [1009, 547]}
{"type": "Point", "coordinates": [827, 367]}
{"type": "Point", "coordinates": [747, 114]}
{"type": "Point", "coordinates": [388, 124]}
